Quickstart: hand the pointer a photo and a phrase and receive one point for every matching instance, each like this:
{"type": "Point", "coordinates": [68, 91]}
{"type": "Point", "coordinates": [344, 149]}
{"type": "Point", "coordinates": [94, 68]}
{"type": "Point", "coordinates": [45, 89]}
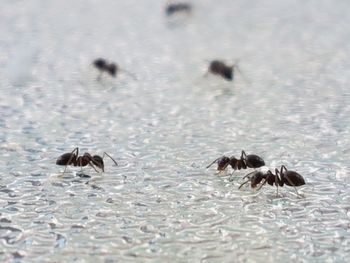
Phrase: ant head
{"type": "Point", "coordinates": [98, 161]}
{"type": "Point", "coordinates": [112, 69]}
{"type": "Point", "coordinates": [100, 63]}
{"type": "Point", "coordinates": [223, 162]}
{"type": "Point", "coordinates": [256, 179]}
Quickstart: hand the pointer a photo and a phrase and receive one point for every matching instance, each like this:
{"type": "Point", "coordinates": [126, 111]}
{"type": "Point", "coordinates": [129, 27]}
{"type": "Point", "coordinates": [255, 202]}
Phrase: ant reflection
{"type": "Point", "coordinates": [244, 162]}
{"type": "Point", "coordinates": [74, 159]}
{"type": "Point", "coordinates": [280, 178]}
{"type": "Point", "coordinates": [110, 68]}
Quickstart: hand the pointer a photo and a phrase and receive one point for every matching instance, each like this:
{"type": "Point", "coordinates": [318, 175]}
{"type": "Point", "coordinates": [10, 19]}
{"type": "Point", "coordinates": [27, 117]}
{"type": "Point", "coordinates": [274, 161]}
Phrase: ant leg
{"type": "Point", "coordinates": [109, 157]}
{"type": "Point", "coordinates": [247, 175]}
{"type": "Point", "coordinates": [262, 184]}
{"type": "Point", "coordinates": [213, 162]}
{"type": "Point", "coordinates": [231, 176]}
{"type": "Point", "coordinates": [277, 179]}
{"type": "Point", "coordinates": [206, 74]}
{"type": "Point", "coordinates": [129, 74]}
{"type": "Point", "coordinates": [92, 165]}
{"type": "Point", "coordinates": [235, 66]}
{"type": "Point", "coordinates": [71, 157]}
{"type": "Point", "coordinates": [292, 184]}
{"type": "Point", "coordinates": [283, 167]}
{"type": "Point", "coordinates": [99, 76]}
{"type": "Point", "coordinates": [276, 182]}
{"type": "Point", "coordinates": [240, 164]}
{"type": "Point", "coordinates": [267, 178]}
{"type": "Point", "coordinates": [243, 154]}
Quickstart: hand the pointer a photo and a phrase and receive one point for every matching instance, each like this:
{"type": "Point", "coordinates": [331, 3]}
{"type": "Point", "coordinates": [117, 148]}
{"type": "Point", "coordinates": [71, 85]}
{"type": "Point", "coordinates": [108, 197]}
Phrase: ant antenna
{"type": "Point", "coordinates": [109, 157]}
{"type": "Point", "coordinates": [236, 67]}
{"type": "Point", "coordinates": [213, 162]}
{"type": "Point", "coordinates": [129, 74]}
{"type": "Point", "coordinates": [243, 184]}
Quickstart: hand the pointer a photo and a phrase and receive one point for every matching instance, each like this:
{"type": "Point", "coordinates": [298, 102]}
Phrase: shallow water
{"type": "Point", "coordinates": [161, 204]}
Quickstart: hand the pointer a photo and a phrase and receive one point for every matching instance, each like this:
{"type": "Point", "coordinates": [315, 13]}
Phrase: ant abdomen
{"type": "Point", "coordinates": [295, 179]}
{"type": "Point", "coordinates": [254, 161]}
{"type": "Point", "coordinates": [64, 159]}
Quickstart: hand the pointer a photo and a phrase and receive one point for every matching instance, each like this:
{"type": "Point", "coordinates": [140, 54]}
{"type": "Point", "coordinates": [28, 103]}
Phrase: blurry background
{"type": "Point", "coordinates": [165, 127]}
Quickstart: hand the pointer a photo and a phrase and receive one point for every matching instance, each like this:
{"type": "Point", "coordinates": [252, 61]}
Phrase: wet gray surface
{"type": "Point", "coordinates": [161, 204]}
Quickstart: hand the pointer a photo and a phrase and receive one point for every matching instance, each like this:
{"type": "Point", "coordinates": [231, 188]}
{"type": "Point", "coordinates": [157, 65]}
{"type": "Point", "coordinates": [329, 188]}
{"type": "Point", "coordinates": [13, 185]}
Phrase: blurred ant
{"type": "Point", "coordinates": [111, 68]}
{"type": "Point", "coordinates": [74, 159]}
{"type": "Point", "coordinates": [218, 67]}
{"type": "Point", "coordinates": [245, 161]}
{"type": "Point", "coordinates": [281, 177]}
{"type": "Point", "coordinates": [173, 8]}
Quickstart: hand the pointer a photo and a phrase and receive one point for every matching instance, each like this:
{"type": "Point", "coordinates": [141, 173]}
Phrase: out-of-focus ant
{"type": "Point", "coordinates": [218, 67]}
{"type": "Point", "coordinates": [173, 8]}
{"type": "Point", "coordinates": [74, 159]}
{"type": "Point", "coordinates": [111, 68]}
{"type": "Point", "coordinates": [244, 162]}
{"type": "Point", "coordinates": [280, 178]}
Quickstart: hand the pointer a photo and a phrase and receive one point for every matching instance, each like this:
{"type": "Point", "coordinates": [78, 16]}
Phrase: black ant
{"type": "Point", "coordinates": [281, 177]}
{"type": "Point", "coordinates": [173, 8]}
{"type": "Point", "coordinates": [111, 68]}
{"type": "Point", "coordinates": [74, 159]}
{"type": "Point", "coordinates": [218, 67]}
{"type": "Point", "coordinates": [246, 161]}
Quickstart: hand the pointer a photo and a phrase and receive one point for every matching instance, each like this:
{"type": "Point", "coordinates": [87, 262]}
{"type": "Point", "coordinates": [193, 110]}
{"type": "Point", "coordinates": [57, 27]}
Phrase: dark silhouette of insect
{"type": "Point", "coordinates": [74, 159]}
{"type": "Point", "coordinates": [111, 68]}
{"type": "Point", "coordinates": [173, 8]}
{"type": "Point", "coordinates": [218, 67]}
{"type": "Point", "coordinates": [244, 162]}
{"type": "Point", "coordinates": [280, 178]}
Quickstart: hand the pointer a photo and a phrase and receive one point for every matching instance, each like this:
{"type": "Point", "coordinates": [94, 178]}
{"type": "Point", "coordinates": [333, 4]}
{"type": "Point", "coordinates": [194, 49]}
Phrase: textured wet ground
{"type": "Point", "coordinates": [161, 204]}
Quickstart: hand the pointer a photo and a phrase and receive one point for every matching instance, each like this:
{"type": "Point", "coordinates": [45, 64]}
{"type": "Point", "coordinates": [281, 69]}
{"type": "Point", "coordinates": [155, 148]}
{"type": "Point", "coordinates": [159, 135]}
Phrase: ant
{"type": "Point", "coordinates": [111, 68]}
{"type": "Point", "coordinates": [245, 161]}
{"type": "Point", "coordinates": [281, 177]}
{"type": "Point", "coordinates": [218, 67]}
{"type": "Point", "coordinates": [173, 8]}
{"type": "Point", "coordinates": [74, 159]}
